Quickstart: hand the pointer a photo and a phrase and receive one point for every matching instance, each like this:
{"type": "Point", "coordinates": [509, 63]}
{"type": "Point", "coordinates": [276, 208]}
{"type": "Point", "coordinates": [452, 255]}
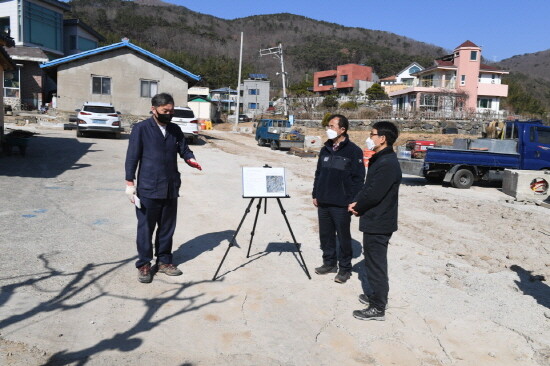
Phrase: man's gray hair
{"type": "Point", "coordinates": [162, 99]}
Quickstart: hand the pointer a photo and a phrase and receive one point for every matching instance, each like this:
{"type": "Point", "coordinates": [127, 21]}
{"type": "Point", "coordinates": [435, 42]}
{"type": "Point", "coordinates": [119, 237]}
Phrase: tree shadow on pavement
{"type": "Point", "coordinates": [64, 300]}
{"type": "Point", "coordinates": [202, 243]}
{"type": "Point", "coordinates": [532, 285]}
{"type": "Point", "coordinates": [75, 294]}
{"type": "Point", "coordinates": [46, 157]}
{"type": "Point", "coordinates": [127, 341]}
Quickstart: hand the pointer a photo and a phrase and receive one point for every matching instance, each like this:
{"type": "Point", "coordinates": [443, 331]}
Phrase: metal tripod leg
{"type": "Point", "coordinates": [293, 238]}
{"type": "Point", "coordinates": [258, 206]}
{"type": "Point", "coordinates": [231, 242]}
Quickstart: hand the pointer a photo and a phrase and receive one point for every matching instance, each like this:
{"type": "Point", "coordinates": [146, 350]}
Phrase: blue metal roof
{"type": "Point", "coordinates": [257, 76]}
{"type": "Point", "coordinates": [225, 90]}
{"type": "Point", "coordinates": [115, 46]}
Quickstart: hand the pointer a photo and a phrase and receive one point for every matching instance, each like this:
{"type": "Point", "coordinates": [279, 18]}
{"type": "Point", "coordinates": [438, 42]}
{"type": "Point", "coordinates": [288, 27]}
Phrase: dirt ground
{"type": "Point", "coordinates": [468, 270]}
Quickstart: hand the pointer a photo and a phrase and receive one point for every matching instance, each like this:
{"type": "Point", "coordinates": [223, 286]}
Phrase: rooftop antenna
{"type": "Point", "coordinates": [277, 52]}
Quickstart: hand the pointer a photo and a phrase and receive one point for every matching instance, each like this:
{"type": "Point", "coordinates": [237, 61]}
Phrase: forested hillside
{"type": "Point", "coordinates": [209, 46]}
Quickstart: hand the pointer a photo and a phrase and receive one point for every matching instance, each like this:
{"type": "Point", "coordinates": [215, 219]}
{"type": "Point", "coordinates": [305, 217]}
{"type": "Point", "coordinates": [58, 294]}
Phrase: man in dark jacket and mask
{"type": "Point", "coordinates": [338, 178]}
{"type": "Point", "coordinates": [376, 203]}
{"type": "Point", "coordinates": [154, 146]}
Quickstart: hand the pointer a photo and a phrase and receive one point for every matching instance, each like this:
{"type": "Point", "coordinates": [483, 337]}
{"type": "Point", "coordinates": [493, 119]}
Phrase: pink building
{"type": "Point", "coordinates": [345, 79]}
{"type": "Point", "coordinates": [456, 82]}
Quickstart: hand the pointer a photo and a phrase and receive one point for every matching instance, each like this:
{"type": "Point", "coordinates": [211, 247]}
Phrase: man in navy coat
{"type": "Point", "coordinates": [154, 146]}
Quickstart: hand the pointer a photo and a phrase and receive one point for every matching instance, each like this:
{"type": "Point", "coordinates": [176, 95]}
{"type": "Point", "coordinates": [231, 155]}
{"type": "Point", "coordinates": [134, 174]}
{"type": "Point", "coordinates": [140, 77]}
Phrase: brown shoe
{"type": "Point", "coordinates": [169, 269]}
{"type": "Point", "coordinates": [144, 274]}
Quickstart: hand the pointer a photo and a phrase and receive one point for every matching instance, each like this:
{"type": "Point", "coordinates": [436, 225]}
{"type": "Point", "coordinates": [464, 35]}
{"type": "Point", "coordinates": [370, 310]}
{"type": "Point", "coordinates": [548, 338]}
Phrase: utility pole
{"type": "Point", "coordinates": [278, 53]}
{"type": "Point", "coordinates": [239, 85]}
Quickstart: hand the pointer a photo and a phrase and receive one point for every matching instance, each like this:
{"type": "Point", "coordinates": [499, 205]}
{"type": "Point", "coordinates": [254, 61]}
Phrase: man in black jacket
{"type": "Point", "coordinates": [338, 178]}
{"type": "Point", "coordinates": [376, 203]}
{"type": "Point", "coordinates": [154, 146]}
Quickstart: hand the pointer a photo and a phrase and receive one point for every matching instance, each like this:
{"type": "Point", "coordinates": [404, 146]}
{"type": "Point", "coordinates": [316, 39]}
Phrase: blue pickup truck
{"type": "Point", "coordinates": [524, 145]}
{"type": "Point", "coordinates": [278, 134]}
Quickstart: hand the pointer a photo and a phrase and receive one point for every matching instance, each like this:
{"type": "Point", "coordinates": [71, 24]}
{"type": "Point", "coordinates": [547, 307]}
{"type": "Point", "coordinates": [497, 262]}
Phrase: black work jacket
{"type": "Point", "coordinates": [378, 199]}
{"type": "Point", "coordinates": [339, 174]}
{"type": "Point", "coordinates": [156, 155]}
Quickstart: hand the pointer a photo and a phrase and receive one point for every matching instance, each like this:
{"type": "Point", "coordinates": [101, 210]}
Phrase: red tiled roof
{"type": "Point", "coordinates": [487, 67]}
{"type": "Point", "coordinates": [389, 78]}
{"type": "Point", "coordinates": [468, 44]}
{"type": "Point", "coordinates": [444, 63]}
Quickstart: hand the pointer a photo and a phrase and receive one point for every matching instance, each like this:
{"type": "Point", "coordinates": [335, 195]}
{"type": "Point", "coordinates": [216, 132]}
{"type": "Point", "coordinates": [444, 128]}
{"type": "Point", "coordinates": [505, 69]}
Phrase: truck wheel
{"type": "Point", "coordinates": [261, 142]}
{"type": "Point", "coordinates": [463, 179]}
{"type": "Point", "coordinates": [274, 145]}
{"type": "Point", "coordinates": [79, 133]}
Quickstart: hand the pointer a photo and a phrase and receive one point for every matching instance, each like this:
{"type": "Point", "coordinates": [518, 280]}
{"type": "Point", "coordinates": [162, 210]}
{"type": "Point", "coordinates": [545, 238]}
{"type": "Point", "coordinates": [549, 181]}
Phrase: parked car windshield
{"type": "Point", "coordinates": [98, 109]}
{"type": "Point", "coordinates": [183, 113]}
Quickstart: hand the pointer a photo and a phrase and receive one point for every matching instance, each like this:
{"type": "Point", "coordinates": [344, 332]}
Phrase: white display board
{"type": "Point", "coordinates": [264, 182]}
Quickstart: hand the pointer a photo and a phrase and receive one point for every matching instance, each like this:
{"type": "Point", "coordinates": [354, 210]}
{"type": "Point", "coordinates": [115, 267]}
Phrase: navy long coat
{"type": "Point", "coordinates": [158, 176]}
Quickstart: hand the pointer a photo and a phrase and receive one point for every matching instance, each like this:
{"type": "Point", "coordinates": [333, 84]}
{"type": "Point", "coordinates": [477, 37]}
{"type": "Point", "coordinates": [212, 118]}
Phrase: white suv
{"type": "Point", "coordinates": [189, 125]}
{"type": "Point", "coordinates": [98, 117]}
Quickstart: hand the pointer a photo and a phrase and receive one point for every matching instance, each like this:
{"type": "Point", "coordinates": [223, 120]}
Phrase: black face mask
{"type": "Point", "coordinates": [164, 118]}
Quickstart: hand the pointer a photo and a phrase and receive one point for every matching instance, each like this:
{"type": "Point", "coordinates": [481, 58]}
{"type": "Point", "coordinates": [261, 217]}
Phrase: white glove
{"type": "Point", "coordinates": [131, 192]}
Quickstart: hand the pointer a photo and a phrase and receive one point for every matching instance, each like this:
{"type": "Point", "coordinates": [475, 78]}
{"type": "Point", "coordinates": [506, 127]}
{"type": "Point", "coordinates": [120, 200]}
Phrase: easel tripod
{"type": "Point", "coordinates": [258, 206]}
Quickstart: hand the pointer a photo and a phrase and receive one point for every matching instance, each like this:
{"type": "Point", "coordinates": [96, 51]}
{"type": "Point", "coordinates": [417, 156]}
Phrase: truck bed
{"type": "Point", "coordinates": [473, 157]}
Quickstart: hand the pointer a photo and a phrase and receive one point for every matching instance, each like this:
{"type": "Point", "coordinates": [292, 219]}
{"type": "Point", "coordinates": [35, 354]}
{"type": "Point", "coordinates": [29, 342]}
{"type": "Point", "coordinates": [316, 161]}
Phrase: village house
{"type": "Point", "coordinates": [122, 74]}
{"type": "Point", "coordinates": [457, 84]}
{"type": "Point", "coordinates": [254, 95]}
{"type": "Point", "coordinates": [6, 64]}
{"type": "Point", "coordinates": [40, 34]}
{"type": "Point", "coordinates": [403, 79]}
{"type": "Point", "coordinates": [346, 79]}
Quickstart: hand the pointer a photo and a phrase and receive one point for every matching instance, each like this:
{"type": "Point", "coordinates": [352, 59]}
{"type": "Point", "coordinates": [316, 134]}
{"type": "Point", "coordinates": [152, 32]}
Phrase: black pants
{"type": "Point", "coordinates": [159, 213]}
{"type": "Point", "coordinates": [335, 221]}
{"type": "Point", "coordinates": [375, 248]}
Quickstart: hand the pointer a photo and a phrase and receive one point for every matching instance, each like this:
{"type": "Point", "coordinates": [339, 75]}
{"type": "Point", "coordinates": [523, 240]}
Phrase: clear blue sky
{"type": "Point", "coordinates": [503, 28]}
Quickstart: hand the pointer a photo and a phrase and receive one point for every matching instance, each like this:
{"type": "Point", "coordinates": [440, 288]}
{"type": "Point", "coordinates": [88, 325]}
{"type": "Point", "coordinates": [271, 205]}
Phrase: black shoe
{"type": "Point", "coordinates": [364, 299]}
{"type": "Point", "coordinates": [342, 276]}
{"type": "Point", "coordinates": [325, 268]}
{"type": "Point", "coordinates": [144, 274]}
{"type": "Point", "coordinates": [370, 313]}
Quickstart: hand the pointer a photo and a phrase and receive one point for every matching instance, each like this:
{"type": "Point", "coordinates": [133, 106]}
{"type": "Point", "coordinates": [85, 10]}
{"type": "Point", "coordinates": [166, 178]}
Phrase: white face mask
{"type": "Point", "coordinates": [331, 134]}
{"type": "Point", "coordinates": [370, 144]}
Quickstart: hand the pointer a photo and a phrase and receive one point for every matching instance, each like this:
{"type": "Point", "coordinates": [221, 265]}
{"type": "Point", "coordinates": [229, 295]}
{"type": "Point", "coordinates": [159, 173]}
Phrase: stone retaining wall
{"type": "Point", "coordinates": [463, 127]}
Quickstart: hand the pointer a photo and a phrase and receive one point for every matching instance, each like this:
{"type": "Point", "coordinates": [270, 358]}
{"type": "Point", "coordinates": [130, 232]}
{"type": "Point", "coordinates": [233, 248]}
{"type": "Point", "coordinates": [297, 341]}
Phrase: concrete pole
{"type": "Point", "coordinates": [284, 81]}
{"type": "Point", "coordinates": [239, 86]}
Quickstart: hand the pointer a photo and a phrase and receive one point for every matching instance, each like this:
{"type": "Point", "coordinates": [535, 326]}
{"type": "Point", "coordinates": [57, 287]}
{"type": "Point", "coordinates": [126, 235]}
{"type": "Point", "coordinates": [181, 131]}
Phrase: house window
{"type": "Point", "coordinates": [5, 25]}
{"type": "Point", "coordinates": [101, 85]}
{"type": "Point", "coordinates": [148, 88]}
{"type": "Point", "coordinates": [42, 26]}
{"type": "Point", "coordinates": [326, 82]}
{"type": "Point", "coordinates": [252, 105]}
{"type": "Point", "coordinates": [343, 78]}
{"type": "Point", "coordinates": [462, 79]}
{"type": "Point", "coordinates": [414, 69]}
{"type": "Point", "coordinates": [484, 103]}
{"type": "Point", "coordinates": [253, 91]}
{"type": "Point", "coordinates": [11, 83]}
{"type": "Point", "coordinates": [473, 55]}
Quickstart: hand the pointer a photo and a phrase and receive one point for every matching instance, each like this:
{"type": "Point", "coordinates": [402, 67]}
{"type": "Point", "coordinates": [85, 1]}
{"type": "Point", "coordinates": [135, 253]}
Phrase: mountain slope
{"type": "Point", "coordinates": [209, 46]}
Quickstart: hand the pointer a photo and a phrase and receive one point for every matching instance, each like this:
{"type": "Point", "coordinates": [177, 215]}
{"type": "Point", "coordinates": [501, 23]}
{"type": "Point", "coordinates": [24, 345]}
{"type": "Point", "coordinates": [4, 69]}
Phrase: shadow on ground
{"type": "Point", "coordinates": [46, 157]}
{"type": "Point", "coordinates": [75, 294]}
{"type": "Point", "coordinates": [532, 285]}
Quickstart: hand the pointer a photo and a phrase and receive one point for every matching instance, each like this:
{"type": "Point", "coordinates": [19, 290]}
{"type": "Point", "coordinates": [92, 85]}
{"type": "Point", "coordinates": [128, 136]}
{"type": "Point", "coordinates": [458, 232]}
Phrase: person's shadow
{"type": "Point", "coordinates": [532, 285]}
{"type": "Point", "coordinates": [202, 243]}
{"type": "Point", "coordinates": [359, 267]}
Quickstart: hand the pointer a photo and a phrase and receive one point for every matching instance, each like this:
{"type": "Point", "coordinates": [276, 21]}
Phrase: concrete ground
{"type": "Point", "coordinates": [468, 270]}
